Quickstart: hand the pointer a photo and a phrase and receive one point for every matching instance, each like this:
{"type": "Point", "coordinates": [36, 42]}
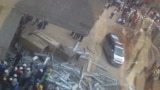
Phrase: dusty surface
{"type": "Point", "coordinates": [93, 44]}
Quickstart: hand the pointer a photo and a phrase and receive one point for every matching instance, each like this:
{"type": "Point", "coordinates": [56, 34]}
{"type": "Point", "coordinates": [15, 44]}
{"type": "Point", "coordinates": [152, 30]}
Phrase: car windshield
{"type": "Point", "coordinates": [118, 51]}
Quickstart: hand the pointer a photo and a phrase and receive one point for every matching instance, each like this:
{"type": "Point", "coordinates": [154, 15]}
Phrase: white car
{"type": "Point", "coordinates": [113, 49]}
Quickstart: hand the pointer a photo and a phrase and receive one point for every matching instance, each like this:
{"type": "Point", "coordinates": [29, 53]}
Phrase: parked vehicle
{"type": "Point", "coordinates": [113, 49]}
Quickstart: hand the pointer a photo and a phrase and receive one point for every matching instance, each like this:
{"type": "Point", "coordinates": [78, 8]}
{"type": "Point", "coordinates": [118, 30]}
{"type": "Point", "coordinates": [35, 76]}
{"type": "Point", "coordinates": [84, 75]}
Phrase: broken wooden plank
{"type": "Point", "coordinates": [33, 43]}
{"type": "Point", "coordinates": [46, 38]}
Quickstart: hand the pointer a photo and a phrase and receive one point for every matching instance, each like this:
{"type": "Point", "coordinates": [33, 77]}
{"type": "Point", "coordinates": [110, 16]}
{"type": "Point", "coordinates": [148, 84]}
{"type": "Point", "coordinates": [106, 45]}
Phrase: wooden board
{"type": "Point", "coordinates": [46, 38]}
{"type": "Point", "coordinates": [33, 43]}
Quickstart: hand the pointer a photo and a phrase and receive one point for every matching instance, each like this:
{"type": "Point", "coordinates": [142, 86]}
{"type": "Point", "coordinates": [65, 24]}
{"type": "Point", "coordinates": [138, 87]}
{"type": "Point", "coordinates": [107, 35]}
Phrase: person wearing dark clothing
{"type": "Point", "coordinates": [109, 5]}
{"type": "Point", "coordinates": [26, 76]}
{"type": "Point", "coordinates": [45, 85]}
{"type": "Point", "coordinates": [13, 71]}
{"type": "Point", "coordinates": [19, 73]}
{"type": "Point", "coordinates": [113, 13]}
{"type": "Point", "coordinates": [35, 22]}
{"type": "Point", "coordinates": [39, 74]}
{"type": "Point", "coordinates": [28, 19]}
{"type": "Point", "coordinates": [15, 83]}
{"type": "Point", "coordinates": [81, 38]}
{"type": "Point", "coordinates": [18, 57]}
{"type": "Point", "coordinates": [45, 24]}
{"type": "Point", "coordinates": [42, 25]}
{"type": "Point", "coordinates": [4, 83]}
{"type": "Point", "coordinates": [30, 83]}
{"type": "Point", "coordinates": [2, 68]}
{"type": "Point", "coordinates": [22, 21]}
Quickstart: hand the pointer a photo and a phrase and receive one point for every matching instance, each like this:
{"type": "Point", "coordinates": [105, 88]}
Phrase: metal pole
{"type": "Point", "coordinates": [76, 46]}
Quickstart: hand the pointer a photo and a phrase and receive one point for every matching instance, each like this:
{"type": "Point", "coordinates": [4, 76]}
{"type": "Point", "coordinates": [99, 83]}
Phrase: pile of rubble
{"type": "Point", "coordinates": [68, 76]}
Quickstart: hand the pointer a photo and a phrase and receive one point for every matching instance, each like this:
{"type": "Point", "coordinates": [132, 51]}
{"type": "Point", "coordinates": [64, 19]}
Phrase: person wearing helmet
{"type": "Point", "coordinates": [4, 82]}
{"type": "Point", "coordinates": [6, 72]}
{"type": "Point", "coordinates": [13, 71]}
{"type": "Point", "coordinates": [15, 83]}
{"type": "Point", "coordinates": [19, 73]}
{"type": "Point", "coordinates": [39, 74]}
{"type": "Point", "coordinates": [2, 68]}
{"type": "Point", "coordinates": [24, 67]}
{"type": "Point", "coordinates": [26, 77]}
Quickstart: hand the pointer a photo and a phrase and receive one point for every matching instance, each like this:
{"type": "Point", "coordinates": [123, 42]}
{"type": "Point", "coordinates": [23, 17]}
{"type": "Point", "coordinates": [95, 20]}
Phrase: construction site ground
{"type": "Point", "coordinates": [93, 44]}
{"type": "Point", "coordinates": [136, 47]}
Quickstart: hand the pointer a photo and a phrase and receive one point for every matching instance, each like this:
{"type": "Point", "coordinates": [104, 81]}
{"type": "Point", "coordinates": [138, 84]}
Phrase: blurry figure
{"type": "Point", "coordinates": [6, 73]}
{"type": "Point", "coordinates": [29, 83]}
{"type": "Point", "coordinates": [18, 57]}
{"type": "Point", "coordinates": [14, 82]}
{"type": "Point", "coordinates": [4, 83]}
{"type": "Point", "coordinates": [13, 71]}
{"type": "Point", "coordinates": [19, 73]}
{"type": "Point", "coordinates": [42, 25]}
{"type": "Point", "coordinates": [39, 86]}
{"type": "Point", "coordinates": [46, 78]}
{"type": "Point", "coordinates": [24, 67]}
{"type": "Point", "coordinates": [31, 65]}
{"type": "Point", "coordinates": [113, 13]}
{"type": "Point", "coordinates": [39, 74]}
{"type": "Point", "coordinates": [2, 68]}
{"type": "Point", "coordinates": [24, 20]}
{"type": "Point", "coordinates": [47, 75]}
{"type": "Point", "coordinates": [45, 85]}
{"type": "Point", "coordinates": [36, 21]}
{"type": "Point", "coordinates": [134, 20]}
{"type": "Point", "coordinates": [28, 19]}
{"type": "Point", "coordinates": [121, 6]}
{"type": "Point", "coordinates": [109, 5]}
{"type": "Point", "coordinates": [77, 36]}
{"type": "Point", "coordinates": [26, 77]}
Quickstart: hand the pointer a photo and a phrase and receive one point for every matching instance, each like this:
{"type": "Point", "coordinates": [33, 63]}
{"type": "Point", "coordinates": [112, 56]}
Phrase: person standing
{"type": "Point", "coordinates": [113, 13]}
{"type": "Point", "coordinates": [18, 57]}
{"type": "Point", "coordinates": [39, 74]}
{"type": "Point", "coordinates": [39, 86]}
{"type": "Point", "coordinates": [27, 75]}
{"type": "Point", "coordinates": [14, 82]}
{"type": "Point", "coordinates": [4, 83]}
{"type": "Point", "coordinates": [134, 20]}
{"type": "Point", "coordinates": [30, 83]}
{"type": "Point", "coordinates": [45, 23]}
{"type": "Point", "coordinates": [2, 68]}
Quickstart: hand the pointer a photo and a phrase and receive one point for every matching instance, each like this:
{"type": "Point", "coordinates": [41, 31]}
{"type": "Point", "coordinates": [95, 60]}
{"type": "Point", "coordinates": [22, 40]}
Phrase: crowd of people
{"type": "Point", "coordinates": [23, 76]}
{"type": "Point", "coordinates": [130, 12]}
{"type": "Point", "coordinates": [41, 24]}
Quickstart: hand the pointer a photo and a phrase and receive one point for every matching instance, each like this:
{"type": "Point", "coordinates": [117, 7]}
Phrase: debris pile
{"type": "Point", "coordinates": [64, 75]}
